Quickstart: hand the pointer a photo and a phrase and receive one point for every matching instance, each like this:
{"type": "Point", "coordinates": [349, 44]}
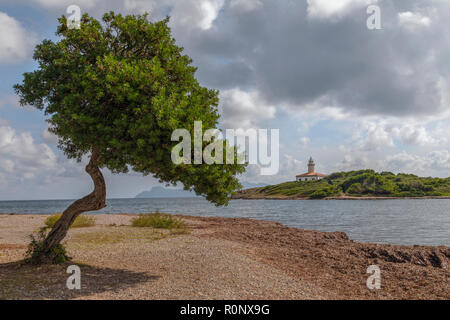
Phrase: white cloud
{"type": "Point", "coordinates": [200, 13]}
{"type": "Point", "coordinates": [289, 168]}
{"type": "Point", "coordinates": [353, 161]}
{"type": "Point", "coordinates": [140, 5]}
{"type": "Point", "coordinates": [413, 19]}
{"type": "Point", "coordinates": [243, 6]}
{"type": "Point", "coordinates": [304, 141]}
{"type": "Point", "coordinates": [184, 13]}
{"type": "Point", "coordinates": [187, 14]}
{"type": "Point", "coordinates": [7, 165]}
{"type": "Point", "coordinates": [49, 137]}
{"type": "Point", "coordinates": [415, 135]}
{"type": "Point", "coordinates": [16, 43]}
{"type": "Point", "coordinates": [404, 162]}
{"type": "Point", "coordinates": [335, 8]}
{"type": "Point", "coordinates": [438, 160]}
{"type": "Point", "coordinates": [373, 136]}
{"type": "Point", "coordinates": [65, 3]}
{"type": "Point", "coordinates": [20, 153]}
{"type": "Point", "coordinates": [241, 109]}
{"type": "Point", "coordinates": [27, 168]}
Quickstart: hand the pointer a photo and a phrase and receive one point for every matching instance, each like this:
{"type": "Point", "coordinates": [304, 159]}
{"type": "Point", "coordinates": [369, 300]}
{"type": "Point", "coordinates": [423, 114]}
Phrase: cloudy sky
{"type": "Point", "coordinates": [348, 96]}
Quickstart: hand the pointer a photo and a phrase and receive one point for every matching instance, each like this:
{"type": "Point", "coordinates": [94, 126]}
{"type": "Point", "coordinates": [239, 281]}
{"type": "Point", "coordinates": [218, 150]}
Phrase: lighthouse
{"type": "Point", "coordinates": [311, 165]}
{"type": "Point", "coordinates": [311, 174]}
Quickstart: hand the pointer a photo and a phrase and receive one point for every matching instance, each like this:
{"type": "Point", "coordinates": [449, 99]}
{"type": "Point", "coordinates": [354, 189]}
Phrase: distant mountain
{"type": "Point", "coordinates": [160, 192]}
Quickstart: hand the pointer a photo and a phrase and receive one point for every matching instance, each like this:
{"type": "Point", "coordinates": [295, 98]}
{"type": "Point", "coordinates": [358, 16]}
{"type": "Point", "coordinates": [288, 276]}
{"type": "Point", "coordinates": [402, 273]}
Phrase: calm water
{"type": "Point", "coordinates": [425, 222]}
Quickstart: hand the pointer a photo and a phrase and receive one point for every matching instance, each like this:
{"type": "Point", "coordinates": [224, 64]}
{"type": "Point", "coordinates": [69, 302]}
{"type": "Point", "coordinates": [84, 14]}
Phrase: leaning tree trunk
{"type": "Point", "coordinates": [92, 202]}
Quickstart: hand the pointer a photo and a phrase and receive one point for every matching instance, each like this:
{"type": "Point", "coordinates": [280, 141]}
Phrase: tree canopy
{"type": "Point", "coordinates": [121, 86]}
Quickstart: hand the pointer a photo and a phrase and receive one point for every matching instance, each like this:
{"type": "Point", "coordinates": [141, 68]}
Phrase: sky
{"type": "Point", "coordinates": [350, 97]}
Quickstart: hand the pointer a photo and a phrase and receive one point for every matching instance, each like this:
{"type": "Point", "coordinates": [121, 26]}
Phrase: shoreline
{"type": "Point", "coordinates": [243, 197]}
{"type": "Point", "coordinates": [220, 258]}
{"type": "Point", "coordinates": [94, 214]}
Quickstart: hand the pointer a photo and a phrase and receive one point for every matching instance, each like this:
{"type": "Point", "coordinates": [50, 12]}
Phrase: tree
{"type": "Point", "coordinates": [117, 90]}
{"type": "Point", "coordinates": [355, 188]}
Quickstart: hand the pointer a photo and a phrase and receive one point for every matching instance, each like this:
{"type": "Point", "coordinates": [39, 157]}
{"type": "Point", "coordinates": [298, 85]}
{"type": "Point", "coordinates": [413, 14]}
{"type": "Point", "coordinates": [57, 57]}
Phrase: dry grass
{"type": "Point", "coordinates": [81, 221]}
{"type": "Point", "coordinates": [160, 221]}
{"type": "Point", "coordinates": [116, 235]}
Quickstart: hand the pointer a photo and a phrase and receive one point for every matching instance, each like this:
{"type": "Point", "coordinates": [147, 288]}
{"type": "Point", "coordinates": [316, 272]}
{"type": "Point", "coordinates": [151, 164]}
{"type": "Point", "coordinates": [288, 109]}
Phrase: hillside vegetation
{"type": "Point", "coordinates": [363, 183]}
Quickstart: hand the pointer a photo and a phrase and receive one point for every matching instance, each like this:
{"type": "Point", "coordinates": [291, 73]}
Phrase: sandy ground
{"type": "Point", "coordinates": [218, 259]}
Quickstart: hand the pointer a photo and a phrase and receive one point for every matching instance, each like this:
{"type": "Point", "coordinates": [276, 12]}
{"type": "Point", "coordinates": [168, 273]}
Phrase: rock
{"type": "Point", "coordinates": [438, 260]}
{"type": "Point", "coordinates": [421, 257]}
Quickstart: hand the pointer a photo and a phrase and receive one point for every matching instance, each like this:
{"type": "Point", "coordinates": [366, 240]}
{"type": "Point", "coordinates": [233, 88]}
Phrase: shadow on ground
{"type": "Point", "coordinates": [20, 281]}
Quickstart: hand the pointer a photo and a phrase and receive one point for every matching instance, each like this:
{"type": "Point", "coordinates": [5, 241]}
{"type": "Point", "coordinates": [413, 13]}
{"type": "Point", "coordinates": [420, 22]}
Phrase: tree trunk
{"type": "Point", "coordinates": [92, 202]}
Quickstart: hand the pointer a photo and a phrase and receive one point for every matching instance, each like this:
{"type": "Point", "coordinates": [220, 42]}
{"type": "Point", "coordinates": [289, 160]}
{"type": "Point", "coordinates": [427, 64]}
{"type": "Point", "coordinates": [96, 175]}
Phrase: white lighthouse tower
{"type": "Point", "coordinates": [311, 165]}
{"type": "Point", "coordinates": [311, 174]}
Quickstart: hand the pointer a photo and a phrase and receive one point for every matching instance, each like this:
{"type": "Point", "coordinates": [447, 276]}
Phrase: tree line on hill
{"type": "Point", "coordinates": [362, 183]}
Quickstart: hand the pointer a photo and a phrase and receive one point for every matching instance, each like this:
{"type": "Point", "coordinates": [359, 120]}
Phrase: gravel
{"type": "Point", "coordinates": [218, 259]}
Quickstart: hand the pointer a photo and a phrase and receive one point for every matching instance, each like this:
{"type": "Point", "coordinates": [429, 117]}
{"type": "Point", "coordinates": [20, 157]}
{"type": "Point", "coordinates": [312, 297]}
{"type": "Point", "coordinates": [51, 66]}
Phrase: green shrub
{"type": "Point", "coordinates": [81, 221]}
{"type": "Point", "coordinates": [159, 221]}
{"type": "Point", "coordinates": [361, 178]}
{"type": "Point", "coordinates": [354, 188]}
{"type": "Point", "coordinates": [37, 253]}
{"type": "Point", "coordinates": [370, 183]}
{"type": "Point", "coordinates": [336, 175]}
{"type": "Point", "coordinates": [320, 194]}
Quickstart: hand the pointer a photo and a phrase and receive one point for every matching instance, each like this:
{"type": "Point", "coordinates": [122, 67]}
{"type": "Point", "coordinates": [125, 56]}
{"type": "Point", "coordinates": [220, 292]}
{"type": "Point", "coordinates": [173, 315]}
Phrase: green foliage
{"type": "Point", "coordinates": [313, 189]}
{"type": "Point", "coordinates": [122, 86]}
{"type": "Point", "coordinates": [38, 254]}
{"type": "Point", "coordinates": [319, 194]}
{"type": "Point", "coordinates": [355, 188]}
{"type": "Point", "coordinates": [159, 221]}
{"type": "Point", "coordinates": [361, 183]}
{"type": "Point", "coordinates": [369, 183]}
{"type": "Point", "coordinates": [81, 221]}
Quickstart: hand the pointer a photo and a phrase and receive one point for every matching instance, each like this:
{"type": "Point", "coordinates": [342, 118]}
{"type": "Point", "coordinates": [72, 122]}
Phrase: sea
{"type": "Point", "coordinates": [407, 222]}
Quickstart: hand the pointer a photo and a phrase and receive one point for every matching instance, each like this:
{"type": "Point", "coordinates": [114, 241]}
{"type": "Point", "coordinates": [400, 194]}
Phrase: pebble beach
{"type": "Point", "coordinates": [218, 258]}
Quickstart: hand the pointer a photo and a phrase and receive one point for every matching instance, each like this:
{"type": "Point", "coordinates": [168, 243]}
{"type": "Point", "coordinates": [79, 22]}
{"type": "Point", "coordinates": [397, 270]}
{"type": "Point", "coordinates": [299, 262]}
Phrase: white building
{"type": "Point", "coordinates": [311, 174]}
